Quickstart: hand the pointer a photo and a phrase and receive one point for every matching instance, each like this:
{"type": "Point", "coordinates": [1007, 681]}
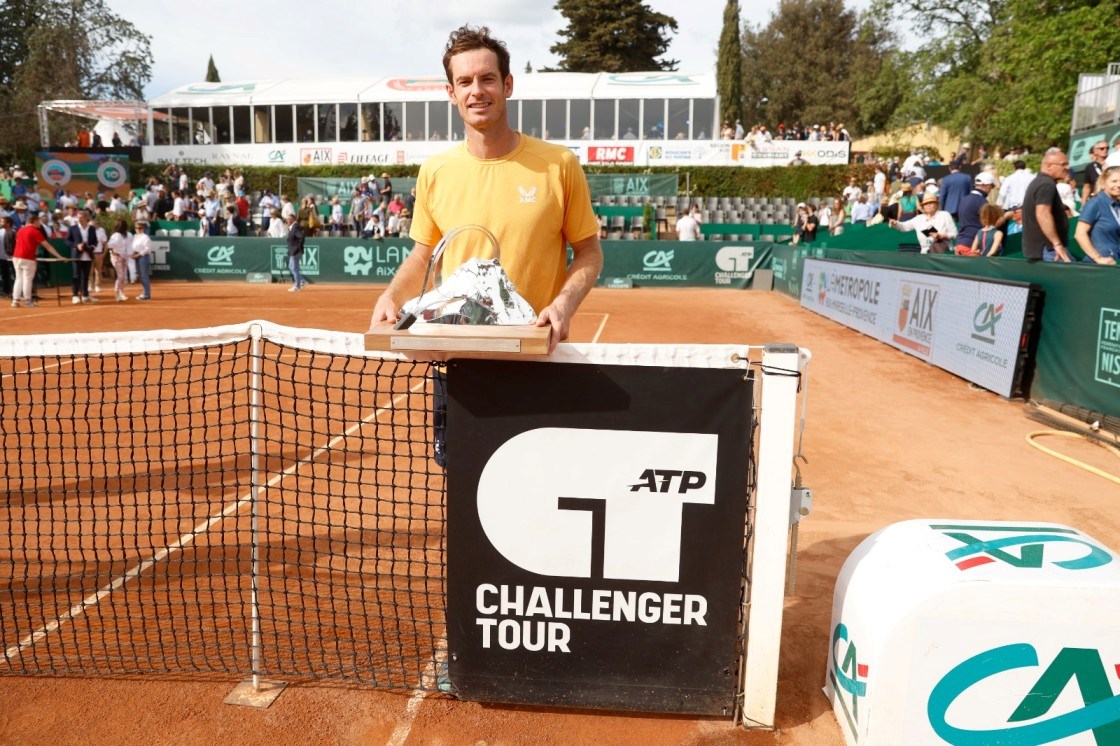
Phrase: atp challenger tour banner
{"type": "Point", "coordinates": [595, 534]}
{"type": "Point", "coordinates": [976, 329]}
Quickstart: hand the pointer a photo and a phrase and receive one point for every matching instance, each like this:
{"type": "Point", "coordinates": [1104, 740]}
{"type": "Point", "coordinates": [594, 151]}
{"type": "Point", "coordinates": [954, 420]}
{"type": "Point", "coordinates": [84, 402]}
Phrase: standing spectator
{"type": "Point", "coordinates": [359, 209]}
{"type": "Point", "coordinates": [1045, 223]}
{"type": "Point", "coordinates": [954, 187]}
{"type": "Point", "coordinates": [386, 190]}
{"type": "Point", "coordinates": [142, 255]}
{"type": "Point", "coordinates": [295, 253]}
{"type": "Point", "coordinates": [286, 207]}
{"type": "Point", "coordinates": [336, 215]}
{"type": "Point", "coordinates": [1113, 157]}
{"type": "Point", "coordinates": [267, 205]}
{"type": "Point", "coordinates": [1013, 191]}
{"type": "Point", "coordinates": [1093, 171]}
{"type": "Point", "coordinates": [242, 204]}
{"type": "Point", "coordinates": [98, 266]}
{"type": "Point", "coordinates": [970, 208]}
{"type": "Point", "coordinates": [851, 192]}
{"type": "Point", "coordinates": [82, 240]}
{"type": "Point", "coordinates": [7, 248]}
{"type": "Point", "coordinates": [1098, 228]}
{"type": "Point", "coordinates": [234, 224]}
{"type": "Point", "coordinates": [880, 182]}
{"type": "Point", "coordinates": [120, 246]}
{"type": "Point", "coordinates": [29, 240]}
{"type": "Point", "coordinates": [687, 228]}
{"type": "Point", "coordinates": [278, 227]}
{"type": "Point", "coordinates": [406, 222]}
{"type": "Point", "coordinates": [934, 227]}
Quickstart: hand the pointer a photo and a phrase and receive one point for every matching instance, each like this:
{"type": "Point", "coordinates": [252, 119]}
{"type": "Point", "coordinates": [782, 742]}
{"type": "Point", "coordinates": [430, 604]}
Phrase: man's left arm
{"type": "Point", "coordinates": [582, 274]}
{"type": "Point", "coordinates": [1049, 228]}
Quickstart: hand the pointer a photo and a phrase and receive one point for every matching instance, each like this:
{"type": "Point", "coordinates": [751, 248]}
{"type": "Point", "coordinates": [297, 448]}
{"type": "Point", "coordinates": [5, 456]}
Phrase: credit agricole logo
{"type": "Point", "coordinates": [1022, 547]}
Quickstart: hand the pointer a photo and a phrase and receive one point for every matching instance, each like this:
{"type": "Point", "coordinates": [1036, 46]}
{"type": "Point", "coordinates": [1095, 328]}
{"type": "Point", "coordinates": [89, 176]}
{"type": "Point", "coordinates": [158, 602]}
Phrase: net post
{"type": "Point", "coordinates": [255, 692]}
{"type": "Point", "coordinates": [758, 676]}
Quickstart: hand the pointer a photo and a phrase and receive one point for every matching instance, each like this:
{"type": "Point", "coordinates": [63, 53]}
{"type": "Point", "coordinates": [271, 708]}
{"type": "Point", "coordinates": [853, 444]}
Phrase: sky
{"type": "Point", "coordinates": [388, 37]}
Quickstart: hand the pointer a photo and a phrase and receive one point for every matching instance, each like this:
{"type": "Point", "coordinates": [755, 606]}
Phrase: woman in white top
{"type": "Point", "coordinates": [120, 247]}
{"type": "Point", "coordinates": [277, 228]}
{"type": "Point", "coordinates": [934, 227]}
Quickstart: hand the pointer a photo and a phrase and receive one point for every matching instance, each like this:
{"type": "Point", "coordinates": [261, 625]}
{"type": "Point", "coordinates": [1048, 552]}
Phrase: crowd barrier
{"type": "Point", "coordinates": [1076, 353]}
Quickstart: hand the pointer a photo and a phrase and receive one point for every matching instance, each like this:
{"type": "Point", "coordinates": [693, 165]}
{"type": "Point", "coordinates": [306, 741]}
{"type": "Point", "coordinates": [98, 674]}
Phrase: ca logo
{"type": "Point", "coordinates": [658, 261]}
{"type": "Point", "coordinates": [617, 516]}
{"type": "Point", "coordinates": [220, 256]}
{"type": "Point", "coordinates": [1101, 713]}
{"type": "Point", "coordinates": [1032, 540]}
{"type": "Point", "coordinates": [847, 674]}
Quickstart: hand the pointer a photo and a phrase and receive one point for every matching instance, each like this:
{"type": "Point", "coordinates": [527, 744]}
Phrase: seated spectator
{"type": "Point", "coordinates": [862, 211]}
{"type": "Point", "coordinates": [1098, 228]}
{"type": "Point", "coordinates": [934, 227]}
{"type": "Point", "coordinates": [988, 241]}
{"type": "Point", "coordinates": [907, 202]}
{"type": "Point", "coordinates": [373, 229]}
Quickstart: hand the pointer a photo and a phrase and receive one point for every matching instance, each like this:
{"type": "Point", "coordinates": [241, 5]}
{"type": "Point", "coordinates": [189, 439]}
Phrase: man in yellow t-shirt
{"type": "Point", "coordinates": [532, 195]}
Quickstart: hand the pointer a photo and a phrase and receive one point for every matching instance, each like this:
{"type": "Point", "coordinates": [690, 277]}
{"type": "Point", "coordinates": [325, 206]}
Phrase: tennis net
{"type": "Point", "coordinates": [250, 499]}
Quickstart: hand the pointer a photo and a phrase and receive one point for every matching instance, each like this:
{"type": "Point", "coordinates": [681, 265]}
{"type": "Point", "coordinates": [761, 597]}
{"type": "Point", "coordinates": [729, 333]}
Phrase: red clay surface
{"type": "Point", "coordinates": [889, 438]}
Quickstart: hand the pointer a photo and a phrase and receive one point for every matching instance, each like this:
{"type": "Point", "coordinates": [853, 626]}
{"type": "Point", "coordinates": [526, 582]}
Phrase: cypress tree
{"type": "Point", "coordinates": [729, 65]}
{"type": "Point", "coordinates": [212, 72]}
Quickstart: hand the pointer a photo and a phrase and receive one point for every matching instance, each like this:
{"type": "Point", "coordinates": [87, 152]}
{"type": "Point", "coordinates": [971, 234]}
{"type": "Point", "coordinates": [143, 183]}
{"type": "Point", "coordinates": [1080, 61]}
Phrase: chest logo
{"type": "Point", "coordinates": [528, 195]}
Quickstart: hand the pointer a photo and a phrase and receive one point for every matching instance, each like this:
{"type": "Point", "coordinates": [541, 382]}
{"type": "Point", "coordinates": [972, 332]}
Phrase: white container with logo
{"type": "Point", "coordinates": [967, 632]}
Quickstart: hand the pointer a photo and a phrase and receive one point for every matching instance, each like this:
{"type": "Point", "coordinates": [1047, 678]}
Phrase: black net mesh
{"type": "Point", "coordinates": [156, 521]}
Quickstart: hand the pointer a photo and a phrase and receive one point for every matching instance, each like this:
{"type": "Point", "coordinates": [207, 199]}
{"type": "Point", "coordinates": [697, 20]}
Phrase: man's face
{"type": "Point", "coordinates": [1100, 150]}
{"type": "Point", "coordinates": [1056, 166]}
{"type": "Point", "coordinates": [477, 88]}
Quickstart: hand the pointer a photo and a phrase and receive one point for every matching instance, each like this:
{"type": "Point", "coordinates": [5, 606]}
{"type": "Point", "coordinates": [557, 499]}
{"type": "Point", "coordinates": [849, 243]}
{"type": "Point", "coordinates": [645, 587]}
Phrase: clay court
{"type": "Point", "coordinates": [888, 438]}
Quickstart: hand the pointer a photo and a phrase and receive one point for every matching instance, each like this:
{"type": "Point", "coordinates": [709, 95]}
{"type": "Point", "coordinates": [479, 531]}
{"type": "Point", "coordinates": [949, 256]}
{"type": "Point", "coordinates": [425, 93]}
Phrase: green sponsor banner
{"type": "Point", "coordinates": [727, 264]}
{"type": "Point", "coordinates": [632, 185]}
{"type": "Point", "coordinates": [323, 260]}
{"type": "Point", "coordinates": [344, 188]}
{"type": "Point", "coordinates": [1077, 357]}
{"type": "Point", "coordinates": [1080, 146]}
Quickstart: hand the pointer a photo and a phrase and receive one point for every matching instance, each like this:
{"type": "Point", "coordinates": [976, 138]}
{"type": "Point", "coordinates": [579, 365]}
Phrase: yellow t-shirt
{"type": "Point", "coordinates": [535, 201]}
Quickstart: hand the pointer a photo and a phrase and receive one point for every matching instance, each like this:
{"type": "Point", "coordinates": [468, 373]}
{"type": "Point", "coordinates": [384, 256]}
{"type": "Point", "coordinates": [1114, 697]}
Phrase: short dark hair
{"type": "Point", "coordinates": [467, 39]}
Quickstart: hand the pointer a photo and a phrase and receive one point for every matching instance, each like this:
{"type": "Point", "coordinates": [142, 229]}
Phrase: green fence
{"type": "Point", "coordinates": [633, 185]}
{"type": "Point", "coordinates": [1077, 357]}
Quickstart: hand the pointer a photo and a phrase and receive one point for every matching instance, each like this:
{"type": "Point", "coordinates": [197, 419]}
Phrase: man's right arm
{"type": "Point", "coordinates": [405, 285]}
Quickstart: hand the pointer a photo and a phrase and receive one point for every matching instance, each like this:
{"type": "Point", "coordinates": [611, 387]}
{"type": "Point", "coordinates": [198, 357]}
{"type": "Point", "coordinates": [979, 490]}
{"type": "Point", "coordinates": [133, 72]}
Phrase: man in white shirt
{"type": "Point", "coordinates": [687, 228]}
{"type": "Point", "coordinates": [933, 227]}
{"type": "Point", "coordinates": [1113, 158]}
{"type": "Point", "coordinates": [852, 192]}
{"type": "Point", "coordinates": [116, 205]}
{"type": "Point", "coordinates": [286, 207]}
{"type": "Point", "coordinates": [1014, 189]}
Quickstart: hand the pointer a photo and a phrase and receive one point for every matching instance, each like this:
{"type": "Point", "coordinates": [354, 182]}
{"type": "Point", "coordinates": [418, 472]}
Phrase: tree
{"type": "Point", "coordinates": [729, 64]}
{"type": "Point", "coordinates": [65, 49]}
{"type": "Point", "coordinates": [212, 72]}
{"type": "Point", "coordinates": [803, 65]}
{"type": "Point", "coordinates": [612, 36]}
{"type": "Point", "coordinates": [1006, 71]}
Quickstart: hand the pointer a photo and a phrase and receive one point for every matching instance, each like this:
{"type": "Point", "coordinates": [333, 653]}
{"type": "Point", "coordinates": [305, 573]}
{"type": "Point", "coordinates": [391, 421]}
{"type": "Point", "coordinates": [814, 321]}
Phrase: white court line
{"type": "Point", "coordinates": [404, 727]}
{"type": "Point", "coordinates": [602, 325]}
{"type": "Point", "coordinates": [35, 370]}
{"type": "Point", "coordinates": [79, 608]}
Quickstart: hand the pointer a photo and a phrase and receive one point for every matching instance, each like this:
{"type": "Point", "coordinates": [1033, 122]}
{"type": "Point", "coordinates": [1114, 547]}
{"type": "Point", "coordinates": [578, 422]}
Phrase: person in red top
{"type": "Point", "coordinates": [28, 240]}
{"type": "Point", "coordinates": [243, 208]}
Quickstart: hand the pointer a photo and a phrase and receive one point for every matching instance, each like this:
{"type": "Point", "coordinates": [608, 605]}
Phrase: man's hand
{"type": "Point", "coordinates": [1104, 260]}
{"type": "Point", "coordinates": [386, 309]}
{"type": "Point", "coordinates": [558, 317]}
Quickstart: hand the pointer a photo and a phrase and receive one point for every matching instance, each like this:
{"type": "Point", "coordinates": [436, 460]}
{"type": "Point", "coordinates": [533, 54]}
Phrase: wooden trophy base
{"type": "Point", "coordinates": [447, 338]}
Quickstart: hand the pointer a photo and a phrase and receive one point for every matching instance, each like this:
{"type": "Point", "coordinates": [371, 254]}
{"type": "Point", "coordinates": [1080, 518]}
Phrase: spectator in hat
{"type": "Point", "coordinates": [934, 227]}
{"type": "Point", "coordinates": [19, 217]}
{"type": "Point", "coordinates": [386, 190]}
{"type": "Point", "coordinates": [406, 222]}
{"type": "Point", "coordinates": [969, 210]}
{"type": "Point", "coordinates": [142, 255]}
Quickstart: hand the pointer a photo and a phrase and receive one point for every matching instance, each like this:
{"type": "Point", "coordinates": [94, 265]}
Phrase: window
{"type": "Point", "coordinates": [532, 117]}
{"type": "Point", "coordinates": [328, 123]}
{"type": "Point", "coordinates": [604, 120]}
{"type": "Point", "coordinates": [162, 127]}
{"type": "Point", "coordinates": [223, 133]}
{"type": "Point", "coordinates": [513, 114]}
{"type": "Point", "coordinates": [678, 119]}
{"type": "Point", "coordinates": [348, 122]}
{"type": "Point", "coordinates": [203, 131]}
{"type": "Point", "coordinates": [262, 124]}
{"type": "Point", "coordinates": [703, 118]}
{"type": "Point", "coordinates": [556, 120]}
{"type": "Point", "coordinates": [305, 122]}
{"type": "Point", "coordinates": [242, 127]}
{"type": "Point", "coordinates": [458, 130]}
{"type": "Point", "coordinates": [285, 124]}
{"type": "Point", "coordinates": [437, 120]}
{"type": "Point", "coordinates": [414, 116]}
{"type": "Point", "coordinates": [181, 126]}
{"type": "Point", "coordinates": [371, 122]}
{"type": "Point", "coordinates": [629, 123]}
{"type": "Point", "coordinates": [580, 113]}
{"type": "Point", "coordinates": [653, 118]}
{"type": "Point", "coordinates": [394, 121]}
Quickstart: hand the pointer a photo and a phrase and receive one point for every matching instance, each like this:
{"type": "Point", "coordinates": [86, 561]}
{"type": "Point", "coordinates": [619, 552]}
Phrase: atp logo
{"type": "Point", "coordinates": [735, 258]}
{"type": "Point", "coordinates": [848, 675]}
{"type": "Point", "coordinates": [1100, 713]}
{"type": "Point", "coordinates": [528, 196]}
{"type": "Point", "coordinates": [658, 261]}
{"type": "Point", "coordinates": [984, 322]}
{"type": "Point", "coordinates": [1033, 541]}
{"type": "Point", "coordinates": [619, 516]}
{"type": "Point", "coordinates": [220, 256]}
